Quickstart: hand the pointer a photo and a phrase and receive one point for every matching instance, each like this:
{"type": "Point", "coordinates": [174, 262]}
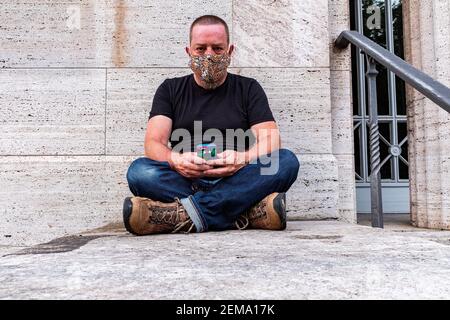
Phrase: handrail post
{"type": "Point", "coordinates": [375, 176]}
{"type": "Point", "coordinates": [429, 87]}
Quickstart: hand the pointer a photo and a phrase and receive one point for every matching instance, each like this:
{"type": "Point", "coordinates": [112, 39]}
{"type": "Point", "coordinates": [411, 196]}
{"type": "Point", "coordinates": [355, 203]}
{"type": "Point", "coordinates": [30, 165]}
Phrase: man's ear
{"type": "Point", "coordinates": [188, 51]}
{"type": "Point", "coordinates": [231, 49]}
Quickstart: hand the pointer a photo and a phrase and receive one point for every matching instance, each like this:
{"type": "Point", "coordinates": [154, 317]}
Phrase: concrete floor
{"type": "Point", "coordinates": [391, 221]}
{"type": "Point", "coordinates": [310, 260]}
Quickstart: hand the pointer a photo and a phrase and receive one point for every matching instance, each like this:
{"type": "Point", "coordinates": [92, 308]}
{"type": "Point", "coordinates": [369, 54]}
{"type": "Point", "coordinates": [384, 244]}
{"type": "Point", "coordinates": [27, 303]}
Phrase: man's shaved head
{"type": "Point", "coordinates": [208, 20]}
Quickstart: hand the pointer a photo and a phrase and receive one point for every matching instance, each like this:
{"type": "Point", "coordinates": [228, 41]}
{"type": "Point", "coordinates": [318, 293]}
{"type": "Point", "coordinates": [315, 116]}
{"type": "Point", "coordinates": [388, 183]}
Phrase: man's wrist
{"type": "Point", "coordinates": [172, 158]}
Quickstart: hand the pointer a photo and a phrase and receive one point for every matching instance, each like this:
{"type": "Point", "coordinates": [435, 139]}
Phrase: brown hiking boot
{"type": "Point", "coordinates": [269, 214]}
{"type": "Point", "coordinates": [143, 216]}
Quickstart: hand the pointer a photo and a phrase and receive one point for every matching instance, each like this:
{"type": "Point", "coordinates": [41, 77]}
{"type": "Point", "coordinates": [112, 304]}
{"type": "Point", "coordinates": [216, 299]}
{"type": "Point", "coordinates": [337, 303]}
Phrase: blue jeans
{"type": "Point", "coordinates": [214, 204]}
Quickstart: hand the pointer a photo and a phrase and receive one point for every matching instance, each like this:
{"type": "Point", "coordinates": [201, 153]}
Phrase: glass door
{"type": "Point", "coordinates": [381, 21]}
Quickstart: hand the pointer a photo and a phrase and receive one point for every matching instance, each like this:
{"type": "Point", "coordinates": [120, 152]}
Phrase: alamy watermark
{"type": "Point", "coordinates": [374, 20]}
{"type": "Point", "coordinates": [268, 159]}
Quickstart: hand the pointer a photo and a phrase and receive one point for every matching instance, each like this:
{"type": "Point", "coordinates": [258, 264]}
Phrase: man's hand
{"type": "Point", "coordinates": [226, 164]}
{"type": "Point", "coordinates": [188, 164]}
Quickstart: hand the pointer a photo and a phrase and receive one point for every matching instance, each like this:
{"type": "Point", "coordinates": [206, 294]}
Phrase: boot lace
{"type": "Point", "coordinates": [177, 219]}
{"type": "Point", "coordinates": [257, 212]}
{"type": "Point", "coordinates": [243, 221]}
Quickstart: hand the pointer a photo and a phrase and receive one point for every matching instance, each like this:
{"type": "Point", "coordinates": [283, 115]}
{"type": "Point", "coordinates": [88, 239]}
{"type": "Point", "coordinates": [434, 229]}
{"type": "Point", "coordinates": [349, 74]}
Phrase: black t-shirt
{"type": "Point", "coordinates": [239, 103]}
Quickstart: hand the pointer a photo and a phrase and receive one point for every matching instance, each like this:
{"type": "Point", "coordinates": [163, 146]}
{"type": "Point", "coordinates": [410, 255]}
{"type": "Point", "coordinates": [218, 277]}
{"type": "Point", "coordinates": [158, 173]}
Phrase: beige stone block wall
{"type": "Point", "coordinates": [76, 101]}
{"type": "Point", "coordinates": [427, 47]}
{"type": "Point", "coordinates": [342, 110]}
{"type": "Point", "coordinates": [110, 33]}
{"type": "Point", "coordinates": [130, 96]}
{"type": "Point", "coordinates": [52, 111]}
{"type": "Point", "coordinates": [44, 197]}
{"type": "Point", "coordinates": [285, 33]}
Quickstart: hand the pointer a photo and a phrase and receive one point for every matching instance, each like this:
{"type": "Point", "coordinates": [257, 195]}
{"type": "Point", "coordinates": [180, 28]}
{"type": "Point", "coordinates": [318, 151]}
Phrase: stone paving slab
{"type": "Point", "coordinates": [310, 260]}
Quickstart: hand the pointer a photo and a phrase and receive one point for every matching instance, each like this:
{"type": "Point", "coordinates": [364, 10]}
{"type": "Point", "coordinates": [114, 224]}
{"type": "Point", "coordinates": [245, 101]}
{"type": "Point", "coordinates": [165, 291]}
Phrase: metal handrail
{"type": "Point", "coordinates": [432, 89]}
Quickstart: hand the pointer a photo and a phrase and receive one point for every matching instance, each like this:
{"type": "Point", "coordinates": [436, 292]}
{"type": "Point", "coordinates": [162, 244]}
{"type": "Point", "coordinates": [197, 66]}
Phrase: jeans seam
{"type": "Point", "coordinates": [202, 220]}
{"type": "Point", "coordinates": [194, 213]}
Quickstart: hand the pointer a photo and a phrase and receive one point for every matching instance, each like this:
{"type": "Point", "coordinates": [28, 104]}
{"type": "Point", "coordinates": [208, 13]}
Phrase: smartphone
{"type": "Point", "coordinates": [207, 151]}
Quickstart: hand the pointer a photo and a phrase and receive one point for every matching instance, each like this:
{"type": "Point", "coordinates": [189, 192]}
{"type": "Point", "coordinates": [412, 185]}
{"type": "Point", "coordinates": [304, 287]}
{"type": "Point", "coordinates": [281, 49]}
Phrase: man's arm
{"type": "Point", "coordinates": [268, 140]}
{"type": "Point", "coordinates": [157, 138]}
{"type": "Point", "coordinates": [156, 148]}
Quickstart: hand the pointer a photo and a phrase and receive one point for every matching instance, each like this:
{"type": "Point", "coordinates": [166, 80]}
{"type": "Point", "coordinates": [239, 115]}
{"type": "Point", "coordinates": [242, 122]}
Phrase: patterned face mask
{"type": "Point", "coordinates": [210, 68]}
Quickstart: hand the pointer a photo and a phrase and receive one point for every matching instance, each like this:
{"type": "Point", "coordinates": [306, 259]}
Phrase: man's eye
{"type": "Point", "coordinates": [200, 49]}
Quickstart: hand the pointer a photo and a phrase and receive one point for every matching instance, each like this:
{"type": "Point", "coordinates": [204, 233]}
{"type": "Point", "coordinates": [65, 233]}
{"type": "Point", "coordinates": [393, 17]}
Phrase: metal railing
{"type": "Point", "coordinates": [432, 89]}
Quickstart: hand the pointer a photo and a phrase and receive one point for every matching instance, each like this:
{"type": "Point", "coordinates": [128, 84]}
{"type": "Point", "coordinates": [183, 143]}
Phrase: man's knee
{"type": "Point", "coordinates": [288, 166]}
{"type": "Point", "coordinates": [281, 163]}
{"type": "Point", "coordinates": [289, 161]}
{"type": "Point", "coordinates": [142, 171]}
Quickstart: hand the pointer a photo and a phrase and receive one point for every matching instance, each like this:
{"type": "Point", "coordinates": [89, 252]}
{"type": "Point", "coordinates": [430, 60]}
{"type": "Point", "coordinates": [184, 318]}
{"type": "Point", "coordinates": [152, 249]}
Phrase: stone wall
{"type": "Point", "coordinates": [427, 47]}
{"type": "Point", "coordinates": [75, 96]}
